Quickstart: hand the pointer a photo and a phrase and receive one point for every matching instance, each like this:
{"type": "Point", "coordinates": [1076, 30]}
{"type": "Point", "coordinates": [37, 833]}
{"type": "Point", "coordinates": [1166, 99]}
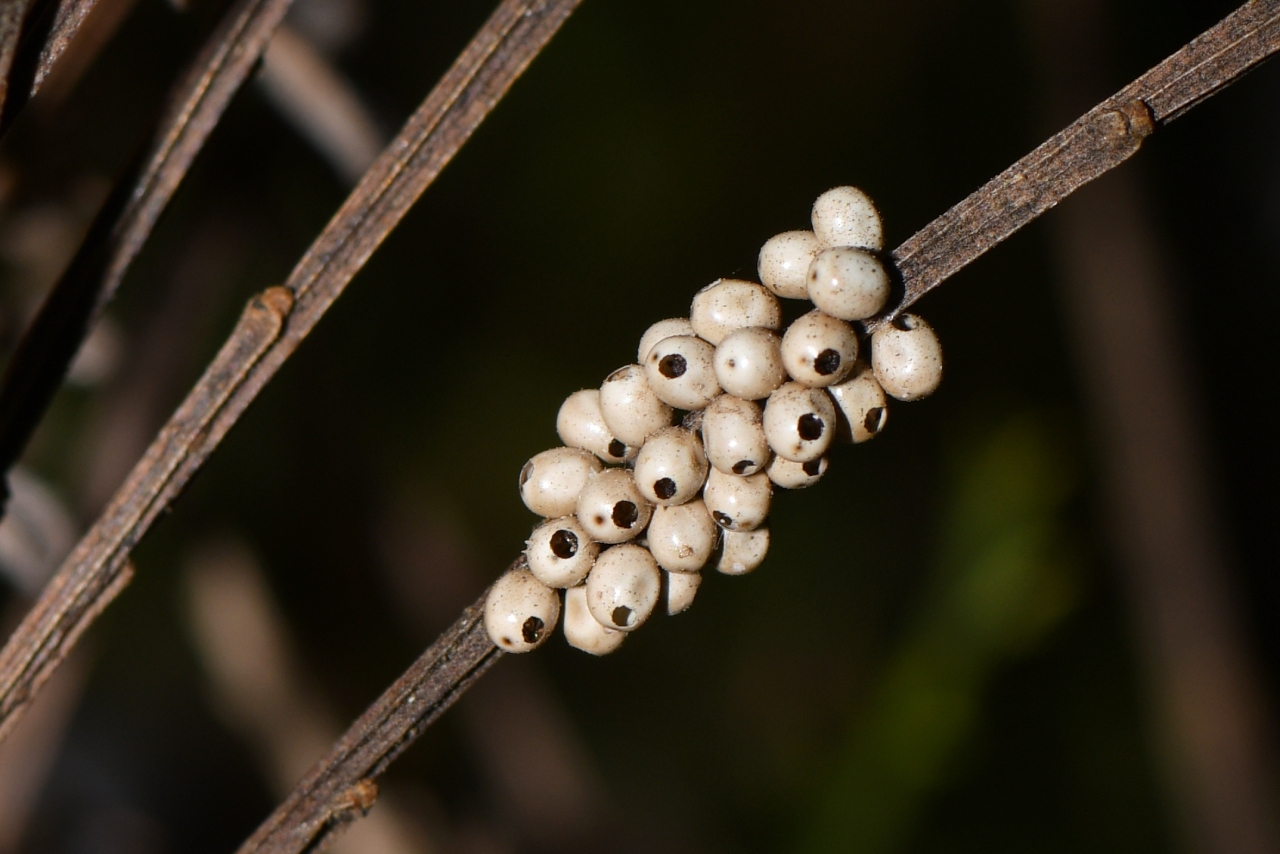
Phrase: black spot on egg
{"type": "Point", "coordinates": [810, 427]}
{"type": "Point", "coordinates": [532, 629]}
{"type": "Point", "coordinates": [625, 514]}
{"type": "Point", "coordinates": [672, 366]}
{"type": "Point", "coordinates": [874, 420]}
{"type": "Point", "coordinates": [664, 488]}
{"type": "Point", "coordinates": [564, 544]}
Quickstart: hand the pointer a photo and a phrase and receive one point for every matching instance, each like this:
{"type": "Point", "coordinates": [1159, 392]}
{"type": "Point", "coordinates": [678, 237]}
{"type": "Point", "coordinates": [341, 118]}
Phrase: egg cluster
{"type": "Point", "coordinates": [636, 504]}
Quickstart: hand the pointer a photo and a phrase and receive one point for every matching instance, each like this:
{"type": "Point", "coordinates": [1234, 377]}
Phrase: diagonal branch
{"type": "Point", "coordinates": [269, 331]}
{"type": "Point", "coordinates": [12, 16]}
{"type": "Point", "coordinates": [126, 219]}
{"type": "Point", "coordinates": [275, 323]}
{"type": "Point", "coordinates": [1100, 140]}
{"type": "Point", "coordinates": [341, 788]}
{"type": "Point", "coordinates": [43, 31]}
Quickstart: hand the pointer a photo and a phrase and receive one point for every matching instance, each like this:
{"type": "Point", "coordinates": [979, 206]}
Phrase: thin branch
{"type": "Point", "coordinates": [269, 331]}
{"type": "Point", "coordinates": [37, 49]}
{"type": "Point", "coordinates": [341, 787]}
{"type": "Point", "coordinates": [342, 783]}
{"type": "Point", "coordinates": [321, 103]}
{"type": "Point", "coordinates": [126, 219]}
{"type": "Point", "coordinates": [12, 15]}
{"type": "Point", "coordinates": [1098, 141]}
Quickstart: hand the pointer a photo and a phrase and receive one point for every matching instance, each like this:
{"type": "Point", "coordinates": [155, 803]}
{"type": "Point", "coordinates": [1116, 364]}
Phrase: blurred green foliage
{"type": "Point", "coordinates": [1006, 575]}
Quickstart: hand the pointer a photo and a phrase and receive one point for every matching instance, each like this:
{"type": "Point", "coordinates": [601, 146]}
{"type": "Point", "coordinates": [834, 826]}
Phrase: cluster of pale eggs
{"type": "Point", "coordinates": [635, 505]}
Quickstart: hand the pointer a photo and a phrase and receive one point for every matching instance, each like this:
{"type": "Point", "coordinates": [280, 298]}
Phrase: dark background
{"type": "Point", "coordinates": [940, 653]}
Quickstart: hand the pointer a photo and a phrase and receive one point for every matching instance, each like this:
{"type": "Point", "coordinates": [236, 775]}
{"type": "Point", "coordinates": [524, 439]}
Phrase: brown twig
{"type": "Point", "coordinates": [1098, 141]}
{"type": "Point", "coordinates": [269, 331]}
{"type": "Point", "coordinates": [342, 783]}
{"type": "Point", "coordinates": [12, 15]}
{"type": "Point", "coordinates": [126, 219]}
{"type": "Point", "coordinates": [340, 787]}
{"type": "Point", "coordinates": [47, 28]}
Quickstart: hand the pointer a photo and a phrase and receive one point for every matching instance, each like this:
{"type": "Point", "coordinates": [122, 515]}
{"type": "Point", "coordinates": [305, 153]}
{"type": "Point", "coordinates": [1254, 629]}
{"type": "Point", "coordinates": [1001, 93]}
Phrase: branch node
{"type": "Point", "coordinates": [361, 795]}
{"type": "Point", "coordinates": [1140, 119]}
{"type": "Point", "coordinates": [278, 300]}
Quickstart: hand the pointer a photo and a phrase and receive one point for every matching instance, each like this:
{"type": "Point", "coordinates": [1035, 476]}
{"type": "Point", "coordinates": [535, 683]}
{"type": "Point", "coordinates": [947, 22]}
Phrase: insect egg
{"type": "Point", "coordinates": [560, 553]}
{"type": "Point", "coordinates": [907, 357]}
{"type": "Point", "coordinates": [799, 422]}
{"type": "Point", "coordinates": [551, 481]}
{"type": "Point", "coordinates": [610, 508]}
{"type": "Point", "coordinates": [733, 435]}
{"type": "Point", "coordinates": [729, 304]}
{"type": "Point", "coordinates": [630, 408]}
{"type": "Point", "coordinates": [748, 363]}
{"type": "Point", "coordinates": [582, 630]}
{"type": "Point", "coordinates": [682, 538]}
{"type": "Point", "coordinates": [623, 587]}
{"type": "Point", "coordinates": [580, 424]}
{"type": "Point", "coordinates": [681, 371]}
{"type": "Point", "coordinates": [819, 350]}
{"type": "Point", "coordinates": [743, 551]}
{"type": "Point", "coordinates": [784, 263]}
{"type": "Point", "coordinates": [862, 407]}
{"type": "Point", "coordinates": [738, 503]}
{"type": "Point", "coordinates": [520, 611]}
{"type": "Point", "coordinates": [846, 216]}
{"type": "Point", "coordinates": [671, 467]}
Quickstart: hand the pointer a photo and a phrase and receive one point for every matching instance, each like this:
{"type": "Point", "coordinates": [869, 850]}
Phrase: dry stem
{"type": "Point", "coordinates": [127, 218]}
{"type": "Point", "coordinates": [27, 54]}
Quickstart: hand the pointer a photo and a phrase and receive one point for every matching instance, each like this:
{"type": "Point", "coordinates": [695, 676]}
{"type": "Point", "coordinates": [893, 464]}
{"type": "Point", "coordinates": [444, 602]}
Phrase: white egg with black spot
{"type": "Point", "coordinates": [862, 410]}
{"type": "Point", "coordinates": [560, 552]}
{"type": "Point", "coordinates": [907, 358]}
{"type": "Point", "coordinates": [610, 508]}
{"type": "Point", "coordinates": [551, 482]}
{"type": "Point", "coordinates": [682, 538]}
{"type": "Point", "coordinates": [784, 263]}
{"type": "Point", "coordinates": [520, 611]}
{"type": "Point", "coordinates": [846, 216]}
{"type": "Point", "coordinates": [848, 283]}
{"type": "Point", "coordinates": [671, 467]}
{"type": "Point", "coordinates": [668, 328]}
{"type": "Point", "coordinates": [738, 503]}
{"type": "Point", "coordinates": [799, 422]}
{"type": "Point", "coordinates": [580, 424]}
{"type": "Point", "coordinates": [749, 364]}
{"type": "Point", "coordinates": [629, 406]}
{"type": "Point", "coordinates": [733, 435]}
{"type": "Point", "coordinates": [819, 350]}
{"type": "Point", "coordinates": [789, 475]}
{"type": "Point", "coordinates": [623, 587]}
{"type": "Point", "coordinates": [729, 304]}
{"type": "Point", "coordinates": [582, 630]}
{"type": "Point", "coordinates": [681, 371]}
